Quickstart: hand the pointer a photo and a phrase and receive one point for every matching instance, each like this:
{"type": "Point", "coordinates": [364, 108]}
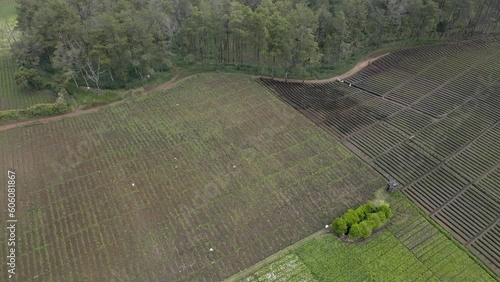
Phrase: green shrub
{"type": "Point", "coordinates": [362, 212]}
{"type": "Point", "coordinates": [359, 223]}
{"type": "Point", "coordinates": [387, 211]}
{"type": "Point", "coordinates": [28, 79]}
{"type": "Point", "coordinates": [366, 229]}
{"type": "Point", "coordinates": [100, 99]}
{"type": "Point", "coordinates": [9, 115]}
{"type": "Point", "coordinates": [62, 96]}
{"type": "Point", "coordinates": [339, 225]}
{"type": "Point", "coordinates": [371, 207]}
{"type": "Point", "coordinates": [351, 217]}
{"type": "Point", "coordinates": [39, 110]}
{"type": "Point", "coordinates": [42, 110]}
{"type": "Point", "coordinates": [377, 219]}
{"type": "Point", "coordinates": [355, 231]}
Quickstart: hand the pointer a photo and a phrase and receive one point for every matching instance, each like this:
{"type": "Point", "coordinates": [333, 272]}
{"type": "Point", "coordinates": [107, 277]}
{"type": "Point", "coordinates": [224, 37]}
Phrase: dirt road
{"type": "Point", "coordinates": [358, 67]}
{"type": "Point", "coordinates": [164, 86]}
{"type": "Point", "coordinates": [170, 84]}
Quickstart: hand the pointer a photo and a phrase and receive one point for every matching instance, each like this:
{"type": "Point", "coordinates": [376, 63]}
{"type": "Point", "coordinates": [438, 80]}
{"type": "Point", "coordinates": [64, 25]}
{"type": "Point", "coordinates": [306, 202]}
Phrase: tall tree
{"type": "Point", "coordinates": [240, 27]}
{"type": "Point", "coordinates": [275, 31]}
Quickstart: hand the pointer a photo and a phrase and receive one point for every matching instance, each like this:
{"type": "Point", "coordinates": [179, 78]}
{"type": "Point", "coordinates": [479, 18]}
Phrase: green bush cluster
{"type": "Point", "coordinates": [9, 115]}
{"type": "Point", "coordinates": [43, 110]}
{"type": "Point", "coordinates": [97, 100]}
{"type": "Point", "coordinates": [360, 223]}
{"type": "Point", "coordinates": [39, 110]}
{"type": "Point", "coordinates": [28, 79]}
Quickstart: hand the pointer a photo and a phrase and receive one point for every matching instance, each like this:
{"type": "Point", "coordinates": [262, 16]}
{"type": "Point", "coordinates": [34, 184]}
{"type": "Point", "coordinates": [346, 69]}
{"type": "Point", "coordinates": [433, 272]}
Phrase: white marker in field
{"type": "Point", "coordinates": [133, 184]}
{"type": "Point", "coordinates": [211, 249]}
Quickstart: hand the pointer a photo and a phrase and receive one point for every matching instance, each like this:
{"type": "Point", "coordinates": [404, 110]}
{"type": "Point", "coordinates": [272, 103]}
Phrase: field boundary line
{"type": "Point", "coordinates": [247, 271]}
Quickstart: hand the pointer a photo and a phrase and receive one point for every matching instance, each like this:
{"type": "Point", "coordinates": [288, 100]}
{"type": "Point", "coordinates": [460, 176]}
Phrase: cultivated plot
{"type": "Point", "coordinates": [409, 248]}
{"type": "Point", "coordinates": [192, 184]}
{"type": "Point", "coordinates": [429, 118]}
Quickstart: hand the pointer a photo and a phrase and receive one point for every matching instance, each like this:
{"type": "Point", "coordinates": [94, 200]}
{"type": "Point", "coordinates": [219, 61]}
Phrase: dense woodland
{"type": "Point", "coordinates": [105, 43]}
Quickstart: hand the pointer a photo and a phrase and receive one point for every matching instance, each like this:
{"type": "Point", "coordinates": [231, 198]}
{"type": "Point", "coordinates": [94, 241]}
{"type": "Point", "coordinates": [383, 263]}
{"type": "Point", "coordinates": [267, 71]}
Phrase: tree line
{"type": "Point", "coordinates": [106, 43]}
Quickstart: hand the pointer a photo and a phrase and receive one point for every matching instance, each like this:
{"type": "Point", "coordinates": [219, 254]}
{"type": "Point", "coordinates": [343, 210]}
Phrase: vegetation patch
{"type": "Point", "coordinates": [9, 115]}
{"type": "Point", "coordinates": [87, 99]}
{"type": "Point", "coordinates": [44, 110]}
{"type": "Point", "coordinates": [360, 223]}
{"type": "Point", "coordinates": [35, 111]}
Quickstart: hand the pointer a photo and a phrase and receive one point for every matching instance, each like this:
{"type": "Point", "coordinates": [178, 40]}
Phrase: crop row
{"type": "Point", "coordinates": [386, 137]}
{"type": "Point", "coordinates": [487, 247]}
{"type": "Point", "coordinates": [338, 109]}
{"type": "Point", "coordinates": [318, 93]}
{"type": "Point", "coordinates": [410, 121]}
{"type": "Point", "coordinates": [406, 162]}
{"type": "Point", "coordinates": [440, 86]}
{"type": "Point", "coordinates": [415, 60]}
{"type": "Point", "coordinates": [436, 188]}
{"type": "Point", "coordinates": [430, 247]}
{"type": "Point", "coordinates": [467, 85]}
{"type": "Point", "coordinates": [287, 268]}
{"type": "Point", "coordinates": [479, 157]}
{"type": "Point", "coordinates": [469, 213]}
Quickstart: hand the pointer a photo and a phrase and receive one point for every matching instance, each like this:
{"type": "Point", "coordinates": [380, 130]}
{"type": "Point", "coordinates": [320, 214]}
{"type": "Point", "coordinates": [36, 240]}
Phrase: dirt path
{"type": "Point", "coordinates": [358, 67]}
{"type": "Point", "coordinates": [244, 273]}
{"type": "Point", "coordinates": [164, 86]}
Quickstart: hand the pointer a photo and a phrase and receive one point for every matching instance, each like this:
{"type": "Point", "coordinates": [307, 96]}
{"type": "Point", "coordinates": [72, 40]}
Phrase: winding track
{"type": "Point", "coordinates": [164, 86]}
{"type": "Point", "coordinates": [167, 85]}
{"type": "Point", "coordinates": [358, 67]}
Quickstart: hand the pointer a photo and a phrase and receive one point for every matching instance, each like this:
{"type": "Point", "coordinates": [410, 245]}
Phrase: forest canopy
{"type": "Point", "coordinates": [105, 43]}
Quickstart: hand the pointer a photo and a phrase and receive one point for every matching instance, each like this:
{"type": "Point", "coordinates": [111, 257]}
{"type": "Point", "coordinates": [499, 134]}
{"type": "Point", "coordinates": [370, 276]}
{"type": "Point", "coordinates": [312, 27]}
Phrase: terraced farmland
{"type": "Point", "coordinates": [429, 118]}
{"type": "Point", "coordinates": [141, 191]}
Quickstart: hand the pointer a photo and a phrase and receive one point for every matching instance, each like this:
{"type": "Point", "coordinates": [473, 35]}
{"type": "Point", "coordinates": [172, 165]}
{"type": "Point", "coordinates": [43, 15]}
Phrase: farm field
{"type": "Point", "coordinates": [142, 190]}
{"type": "Point", "coordinates": [429, 118]}
{"type": "Point", "coordinates": [409, 248]}
{"type": "Point", "coordinates": [11, 97]}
